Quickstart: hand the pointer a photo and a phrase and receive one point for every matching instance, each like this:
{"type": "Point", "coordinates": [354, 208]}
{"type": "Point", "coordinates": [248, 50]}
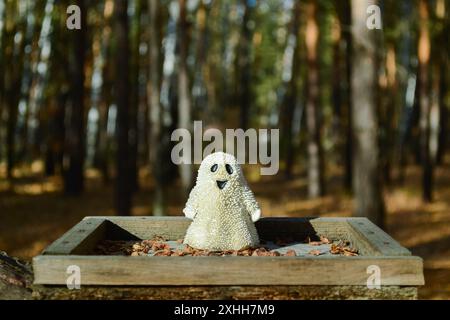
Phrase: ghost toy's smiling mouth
{"type": "Point", "coordinates": [221, 183]}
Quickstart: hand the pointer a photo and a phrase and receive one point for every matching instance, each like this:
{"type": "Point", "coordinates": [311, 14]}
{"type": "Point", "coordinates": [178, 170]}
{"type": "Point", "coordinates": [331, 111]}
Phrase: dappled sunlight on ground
{"type": "Point", "coordinates": [34, 212]}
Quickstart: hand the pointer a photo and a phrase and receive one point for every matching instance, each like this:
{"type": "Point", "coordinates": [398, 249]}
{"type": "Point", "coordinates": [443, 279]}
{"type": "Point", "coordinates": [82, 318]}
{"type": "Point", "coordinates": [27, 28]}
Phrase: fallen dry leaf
{"type": "Point", "coordinates": [159, 247]}
{"type": "Point", "coordinates": [290, 253]}
{"type": "Point", "coordinates": [315, 252]}
{"type": "Point", "coordinates": [324, 240]}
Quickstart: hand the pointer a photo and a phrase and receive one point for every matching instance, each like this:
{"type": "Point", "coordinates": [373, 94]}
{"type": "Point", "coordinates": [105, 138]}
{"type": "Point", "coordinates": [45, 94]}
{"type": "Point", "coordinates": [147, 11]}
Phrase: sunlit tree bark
{"type": "Point", "coordinates": [424, 48]}
{"type": "Point", "coordinates": [443, 18]}
{"type": "Point", "coordinates": [155, 114]}
{"type": "Point", "coordinates": [366, 174]}
{"type": "Point", "coordinates": [315, 151]}
{"type": "Point", "coordinates": [184, 96]}
{"type": "Point", "coordinates": [345, 14]}
{"type": "Point", "coordinates": [135, 64]}
{"type": "Point", "coordinates": [244, 88]}
{"type": "Point", "coordinates": [291, 97]}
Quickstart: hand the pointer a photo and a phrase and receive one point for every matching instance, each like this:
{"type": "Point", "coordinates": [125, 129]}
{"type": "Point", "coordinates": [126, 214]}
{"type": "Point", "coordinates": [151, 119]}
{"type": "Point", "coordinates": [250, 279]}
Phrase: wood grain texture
{"type": "Point", "coordinates": [174, 228]}
{"type": "Point", "coordinates": [224, 292]}
{"type": "Point", "coordinates": [80, 238]}
{"type": "Point", "coordinates": [398, 267]}
{"type": "Point", "coordinates": [119, 270]}
{"type": "Point", "coordinates": [380, 242]}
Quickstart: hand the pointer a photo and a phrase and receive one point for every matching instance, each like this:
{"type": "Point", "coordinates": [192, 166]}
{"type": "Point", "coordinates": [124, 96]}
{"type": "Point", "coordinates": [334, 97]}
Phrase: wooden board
{"type": "Point", "coordinates": [117, 270]}
{"type": "Point", "coordinates": [397, 266]}
{"type": "Point", "coordinates": [82, 236]}
{"type": "Point", "coordinates": [276, 292]}
{"type": "Point", "coordinates": [380, 243]}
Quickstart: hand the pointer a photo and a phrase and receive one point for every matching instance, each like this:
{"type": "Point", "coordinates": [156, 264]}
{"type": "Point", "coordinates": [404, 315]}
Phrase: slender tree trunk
{"type": "Point", "coordinates": [2, 76]}
{"type": "Point", "coordinates": [40, 81]}
{"type": "Point", "coordinates": [155, 113]}
{"type": "Point", "coordinates": [136, 31]}
{"type": "Point", "coordinates": [347, 112]}
{"type": "Point", "coordinates": [75, 136]}
{"type": "Point", "coordinates": [51, 137]}
{"type": "Point", "coordinates": [12, 82]}
{"type": "Point", "coordinates": [26, 80]}
{"type": "Point", "coordinates": [437, 64]}
{"type": "Point", "coordinates": [388, 98]}
{"type": "Point", "coordinates": [184, 97]}
{"type": "Point", "coordinates": [443, 15]}
{"type": "Point", "coordinates": [424, 47]}
{"type": "Point", "coordinates": [290, 99]}
{"type": "Point", "coordinates": [408, 91]}
{"type": "Point", "coordinates": [10, 133]}
{"type": "Point", "coordinates": [244, 88]}
{"type": "Point", "coordinates": [199, 93]}
{"type": "Point", "coordinates": [315, 152]}
{"type": "Point", "coordinates": [366, 174]}
{"type": "Point", "coordinates": [435, 111]}
{"type": "Point", "coordinates": [103, 143]}
{"type": "Point", "coordinates": [122, 87]}
{"type": "Point", "coordinates": [12, 85]}
{"type": "Point", "coordinates": [337, 127]}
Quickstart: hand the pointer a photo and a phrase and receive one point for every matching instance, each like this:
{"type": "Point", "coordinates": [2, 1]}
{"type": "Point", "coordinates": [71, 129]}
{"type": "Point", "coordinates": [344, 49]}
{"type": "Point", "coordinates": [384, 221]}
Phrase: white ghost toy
{"type": "Point", "coordinates": [222, 207]}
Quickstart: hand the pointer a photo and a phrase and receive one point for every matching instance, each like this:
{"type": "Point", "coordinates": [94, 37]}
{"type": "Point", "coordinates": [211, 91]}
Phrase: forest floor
{"type": "Point", "coordinates": [33, 212]}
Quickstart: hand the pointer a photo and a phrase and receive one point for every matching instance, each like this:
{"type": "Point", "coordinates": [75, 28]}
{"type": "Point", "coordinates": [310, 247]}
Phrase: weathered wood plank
{"type": "Point", "coordinates": [381, 243]}
{"type": "Point", "coordinates": [172, 228]}
{"type": "Point", "coordinates": [175, 228]}
{"type": "Point", "coordinates": [119, 270]}
{"type": "Point", "coordinates": [80, 239]}
{"type": "Point", "coordinates": [360, 231]}
{"type": "Point", "coordinates": [223, 292]}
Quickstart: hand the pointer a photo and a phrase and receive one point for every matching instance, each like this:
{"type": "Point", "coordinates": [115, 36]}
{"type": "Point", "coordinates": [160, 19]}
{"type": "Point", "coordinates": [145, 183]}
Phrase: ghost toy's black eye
{"type": "Point", "coordinates": [214, 168]}
{"type": "Point", "coordinates": [229, 169]}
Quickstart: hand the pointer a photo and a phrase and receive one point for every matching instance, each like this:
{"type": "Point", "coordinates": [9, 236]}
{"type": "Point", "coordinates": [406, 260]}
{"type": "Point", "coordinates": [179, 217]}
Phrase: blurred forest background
{"type": "Point", "coordinates": [86, 115]}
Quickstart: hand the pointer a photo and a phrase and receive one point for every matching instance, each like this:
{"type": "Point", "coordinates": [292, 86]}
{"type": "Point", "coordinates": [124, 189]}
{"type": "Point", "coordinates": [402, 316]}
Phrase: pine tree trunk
{"type": "Point", "coordinates": [425, 101]}
{"type": "Point", "coordinates": [347, 113]}
{"type": "Point", "coordinates": [290, 99]}
{"type": "Point", "coordinates": [337, 79]}
{"type": "Point", "coordinates": [134, 137]}
{"type": "Point", "coordinates": [315, 152]}
{"type": "Point", "coordinates": [408, 104]}
{"type": "Point", "coordinates": [391, 118]}
{"type": "Point", "coordinates": [75, 135]}
{"type": "Point", "coordinates": [366, 175]}
{"type": "Point", "coordinates": [155, 113]}
{"type": "Point", "coordinates": [244, 67]}
{"type": "Point", "coordinates": [435, 112]}
{"type": "Point", "coordinates": [444, 81]}
{"type": "Point", "coordinates": [2, 77]}
{"type": "Point", "coordinates": [123, 183]}
{"type": "Point", "coordinates": [184, 98]}
{"type": "Point", "coordinates": [12, 83]}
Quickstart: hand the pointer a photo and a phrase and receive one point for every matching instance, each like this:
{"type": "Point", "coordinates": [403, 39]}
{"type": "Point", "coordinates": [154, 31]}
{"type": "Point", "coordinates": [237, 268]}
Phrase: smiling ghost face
{"type": "Point", "coordinates": [220, 169]}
